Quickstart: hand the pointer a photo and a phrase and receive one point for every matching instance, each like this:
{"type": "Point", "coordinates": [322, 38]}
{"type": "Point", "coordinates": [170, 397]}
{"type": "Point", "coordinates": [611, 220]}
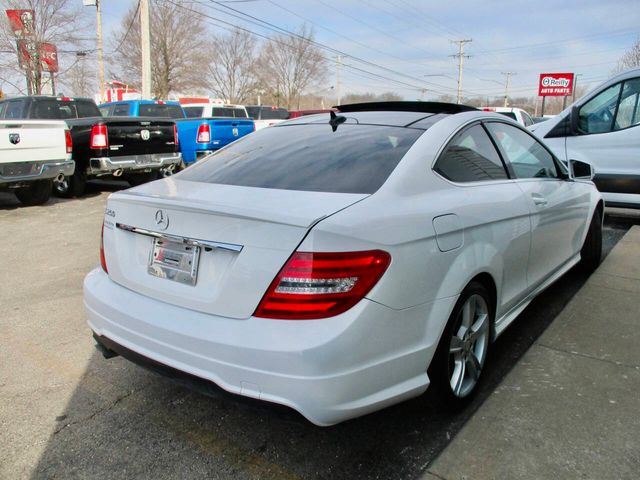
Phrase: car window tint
{"type": "Point", "coordinates": [175, 111]}
{"type": "Point", "coordinates": [104, 111]}
{"type": "Point", "coordinates": [511, 115]}
{"type": "Point", "coordinates": [471, 157]}
{"type": "Point", "coordinates": [629, 108]}
{"type": "Point", "coordinates": [526, 155]}
{"type": "Point", "coordinates": [254, 112]}
{"type": "Point", "coordinates": [527, 119]}
{"type": "Point", "coordinates": [14, 109]}
{"type": "Point", "coordinates": [193, 112]}
{"type": "Point", "coordinates": [239, 113]}
{"type": "Point", "coordinates": [86, 108]}
{"type": "Point", "coordinates": [274, 114]}
{"type": "Point", "coordinates": [353, 159]}
{"type": "Point", "coordinates": [121, 110]}
{"type": "Point", "coordinates": [596, 116]}
{"type": "Point", "coordinates": [53, 109]}
{"type": "Point", "coordinates": [3, 107]}
{"type": "Point", "coordinates": [222, 112]}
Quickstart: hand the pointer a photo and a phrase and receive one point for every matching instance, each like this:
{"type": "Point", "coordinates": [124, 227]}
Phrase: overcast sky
{"type": "Point", "coordinates": [412, 39]}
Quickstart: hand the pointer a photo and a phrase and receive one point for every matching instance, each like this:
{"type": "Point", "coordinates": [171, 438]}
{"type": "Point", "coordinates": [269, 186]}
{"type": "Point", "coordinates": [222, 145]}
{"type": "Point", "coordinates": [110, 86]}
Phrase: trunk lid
{"type": "Point", "coordinates": [266, 224]}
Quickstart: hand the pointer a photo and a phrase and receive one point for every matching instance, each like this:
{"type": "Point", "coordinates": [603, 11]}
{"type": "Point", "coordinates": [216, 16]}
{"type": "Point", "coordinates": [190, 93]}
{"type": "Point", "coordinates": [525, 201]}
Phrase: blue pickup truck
{"type": "Point", "coordinates": [197, 136]}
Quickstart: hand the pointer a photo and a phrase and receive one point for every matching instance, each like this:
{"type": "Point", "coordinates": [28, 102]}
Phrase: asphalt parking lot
{"type": "Point", "coordinates": [65, 412]}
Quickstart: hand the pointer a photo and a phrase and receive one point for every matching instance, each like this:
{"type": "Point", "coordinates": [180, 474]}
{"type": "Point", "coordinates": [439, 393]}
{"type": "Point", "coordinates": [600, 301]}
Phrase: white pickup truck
{"type": "Point", "coordinates": [32, 154]}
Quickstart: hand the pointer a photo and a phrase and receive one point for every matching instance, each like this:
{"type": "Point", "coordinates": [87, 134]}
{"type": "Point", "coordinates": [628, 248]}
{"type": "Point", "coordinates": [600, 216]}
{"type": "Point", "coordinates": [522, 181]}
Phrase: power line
{"type": "Point", "coordinates": [133, 19]}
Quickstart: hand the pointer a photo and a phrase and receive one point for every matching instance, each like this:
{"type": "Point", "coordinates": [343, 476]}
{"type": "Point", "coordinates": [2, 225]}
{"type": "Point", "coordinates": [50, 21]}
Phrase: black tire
{"type": "Point", "coordinates": [36, 193]}
{"type": "Point", "coordinates": [444, 363]}
{"type": "Point", "coordinates": [591, 252]}
{"type": "Point", "coordinates": [73, 186]}
{"type": "Point", "coordinates": [136, 179]}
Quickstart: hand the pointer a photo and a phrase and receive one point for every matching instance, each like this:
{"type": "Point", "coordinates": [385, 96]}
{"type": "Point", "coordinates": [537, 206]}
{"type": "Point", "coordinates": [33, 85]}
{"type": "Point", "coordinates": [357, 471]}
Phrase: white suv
{"type": "Point", "coordinates": [518, 114]}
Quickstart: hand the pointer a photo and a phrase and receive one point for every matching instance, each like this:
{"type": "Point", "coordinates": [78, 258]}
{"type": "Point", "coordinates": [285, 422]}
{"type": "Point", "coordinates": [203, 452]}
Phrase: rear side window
{"type": "Point", "coordinates": [105, 111]}
{"type": "Point", "coordinates": [254, 112]}
{"type": "Point", "coordinates": [353, 159]}
{"type": "Point", "coordinates": [193, 112]}
{"type": "Point", "coordinates": [471, 157]}
{"type": "Point", "coordinates": [86, 109]}
{"type": "Point", "coordinates": [526, 155]}
{"type": "Point", "coordinates": [274, 114]}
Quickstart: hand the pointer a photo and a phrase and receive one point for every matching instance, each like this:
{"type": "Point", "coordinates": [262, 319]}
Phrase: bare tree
{"type": "Point", "coordinates": [233, 73]}
{"type": "Point", "coordinates": [289, 64]}
{"type": "Point", "coordinates": [371, 97]}
{"type": "Point", "coordinates": [60, 22]}
{"type": "Point", "coordinates": [179, 51]}
{"type": "Point", "coordinates": [80, 79]}
{"type": "Point", "coordinates": [631, 58]}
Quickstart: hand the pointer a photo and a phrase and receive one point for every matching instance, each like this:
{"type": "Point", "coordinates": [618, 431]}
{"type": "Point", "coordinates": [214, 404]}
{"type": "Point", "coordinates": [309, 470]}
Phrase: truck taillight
{"type": "Point", "coordinates": [176, 139]}
{"type": "Point", "coordinates": [99, 138]}
{"type": "Point", "coordinates": [67, 141]}
{"type": "Point", "coordinates": [315, 285]}
{"type": "Point", "coordinates": [103, 260]}
{"type": "Point", "coordinates": [204, 133]}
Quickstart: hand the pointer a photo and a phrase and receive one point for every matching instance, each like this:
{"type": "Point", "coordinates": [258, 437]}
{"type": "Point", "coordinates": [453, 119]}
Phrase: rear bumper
{"type": "Point", "coordinates": [329, 370]}
{"type": "Point", "coordinates": [29, 171]}
{"type": "Point", "coordinates": [153, 161]}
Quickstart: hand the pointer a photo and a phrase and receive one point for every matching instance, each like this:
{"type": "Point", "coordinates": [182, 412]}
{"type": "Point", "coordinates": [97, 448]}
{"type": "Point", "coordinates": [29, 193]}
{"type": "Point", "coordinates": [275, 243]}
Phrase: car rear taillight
{"type": "Point", "coordinates": [103, 260]}
{"type": "Point", "coordinates": [176, 140]}
{"type": "Point", "coordinates": [319, 285]}
{"type": "Point", "coordinates": [204, 134]}
{"type": "Point", "coordinates": [67, 141]}
{"type": "Point", "coordinates": [99, 137]}
{"type": "Point", "coordinates": [254, 126]}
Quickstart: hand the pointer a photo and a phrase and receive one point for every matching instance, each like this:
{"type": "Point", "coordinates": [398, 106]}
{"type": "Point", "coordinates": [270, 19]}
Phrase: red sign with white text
{"type": "Point", "coordinates": [555, 84]}
{"type": "Point", "coordinates": [22, 22]}
{"type": "Point", "coordinates": [45, 53]}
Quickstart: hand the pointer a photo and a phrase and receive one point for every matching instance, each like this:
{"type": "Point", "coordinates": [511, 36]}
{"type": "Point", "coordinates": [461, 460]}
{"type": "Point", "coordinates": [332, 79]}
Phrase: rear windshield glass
{"type": "Point", "coordinates": [353, 159]}
{"type": "Point", "coordinates": [193, 112]}
{"type": "Point", "coordinates": [511, 115]}
{"type": "Point", "coordinates": [154, 110]}
{"type": "Point", "coordinates": [60, 109]}
{"type": "Point", "coordinates": [274, 114]}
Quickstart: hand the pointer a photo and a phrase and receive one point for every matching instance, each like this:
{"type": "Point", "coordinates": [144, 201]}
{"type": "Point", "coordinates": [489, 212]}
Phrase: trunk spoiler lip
{"type": "Point", "coordinates": [214, 208]}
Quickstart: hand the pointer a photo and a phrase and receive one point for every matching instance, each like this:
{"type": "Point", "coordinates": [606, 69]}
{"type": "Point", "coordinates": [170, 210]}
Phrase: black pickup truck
{"type": "Point", "coordinates": [136, 149]}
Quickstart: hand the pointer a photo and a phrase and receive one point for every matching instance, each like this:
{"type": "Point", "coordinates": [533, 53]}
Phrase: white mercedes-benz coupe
{"type": "Point", "coordinates": [340, 263]}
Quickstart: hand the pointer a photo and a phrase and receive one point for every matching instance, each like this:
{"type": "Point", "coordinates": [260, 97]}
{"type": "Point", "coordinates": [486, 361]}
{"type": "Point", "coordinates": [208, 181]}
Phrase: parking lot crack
{"type": "Point", "coordinates": [591, 357]}
{"type": "Point", "coordinates": [96, 413]}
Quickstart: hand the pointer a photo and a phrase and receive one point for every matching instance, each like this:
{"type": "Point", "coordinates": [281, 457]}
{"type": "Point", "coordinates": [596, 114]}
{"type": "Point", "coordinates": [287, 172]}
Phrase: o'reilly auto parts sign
{"type": "Point", "coordinates": [555, 84]}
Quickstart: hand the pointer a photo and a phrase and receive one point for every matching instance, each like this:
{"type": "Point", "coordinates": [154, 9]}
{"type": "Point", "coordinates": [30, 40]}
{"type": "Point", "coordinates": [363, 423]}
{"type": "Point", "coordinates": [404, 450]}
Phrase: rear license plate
{"type": "Point", "coordinates": [174, 261]}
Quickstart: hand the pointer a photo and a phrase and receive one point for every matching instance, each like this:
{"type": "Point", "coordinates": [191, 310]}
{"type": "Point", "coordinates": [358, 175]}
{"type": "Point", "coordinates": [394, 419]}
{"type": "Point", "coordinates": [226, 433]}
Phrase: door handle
{"type": "Point", "coordinates": [539, 200]}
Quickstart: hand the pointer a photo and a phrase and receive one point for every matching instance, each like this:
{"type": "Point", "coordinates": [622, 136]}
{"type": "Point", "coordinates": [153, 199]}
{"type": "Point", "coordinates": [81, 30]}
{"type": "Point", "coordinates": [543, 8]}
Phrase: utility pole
{"type": "Point", "coordinates": [338, 79]}
{"type": "Point", "coordinates": [100, 50]}
{"type": "Point", "coordinates": [145, 37]}
{"type": "Point", "coordinates": [460, 56]}
{"type": "Point", "coordinates": [506, 87]}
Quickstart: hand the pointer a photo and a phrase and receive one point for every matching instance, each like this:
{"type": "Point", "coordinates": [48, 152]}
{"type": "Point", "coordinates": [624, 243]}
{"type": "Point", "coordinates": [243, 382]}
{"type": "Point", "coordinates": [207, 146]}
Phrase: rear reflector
{"type": "Point", "coordinates": [68, 142]}
{"type": "Point", "coordinates": [204, 134]}
{"type": "Point", "coordinates": [103, 260]}
{"type": "Point", "coordinates": [319, 285]}
{"type": "Point", "coordinates": [99, 137]}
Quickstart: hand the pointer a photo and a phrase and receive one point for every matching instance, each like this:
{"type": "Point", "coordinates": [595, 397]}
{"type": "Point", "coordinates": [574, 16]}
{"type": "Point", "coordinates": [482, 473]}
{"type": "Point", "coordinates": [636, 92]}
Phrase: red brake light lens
{"type": "Point", "coordinates": [315, 285]}
{"type": "Point", "coordinates": [99, 138]}
{"type": "Point", "coordinates": [176, 140]}
{"type": "Point", "coordinates": [67, 140]}
{"type": "Point", "coordinates": [103, 260]}
{"type": "Point", "coordinates": [204, 134]}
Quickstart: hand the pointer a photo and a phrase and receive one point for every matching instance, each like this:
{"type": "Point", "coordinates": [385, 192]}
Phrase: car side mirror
{"type": "Point", "coordinates": [574, 121]}
{"type": "Point", "coordinates": [581, 170]}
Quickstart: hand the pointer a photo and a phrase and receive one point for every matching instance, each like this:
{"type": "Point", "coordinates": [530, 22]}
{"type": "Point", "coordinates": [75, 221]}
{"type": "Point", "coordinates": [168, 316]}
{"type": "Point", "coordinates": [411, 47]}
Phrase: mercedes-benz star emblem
{"type": "Point", "coordinates": [162, 220]}
{"type": "Point", "coordinates": [14, 138]}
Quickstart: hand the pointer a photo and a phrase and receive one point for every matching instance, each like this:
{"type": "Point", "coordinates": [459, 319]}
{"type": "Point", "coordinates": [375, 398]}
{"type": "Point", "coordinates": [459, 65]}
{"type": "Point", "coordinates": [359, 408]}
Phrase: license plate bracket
{"type": "Point", "coordinates": [174, 261]}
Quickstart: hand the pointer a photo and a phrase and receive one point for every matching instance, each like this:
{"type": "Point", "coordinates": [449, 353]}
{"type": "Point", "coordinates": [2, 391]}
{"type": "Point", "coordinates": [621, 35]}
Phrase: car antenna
{"type": "Point", "coordinates": [336, 120]}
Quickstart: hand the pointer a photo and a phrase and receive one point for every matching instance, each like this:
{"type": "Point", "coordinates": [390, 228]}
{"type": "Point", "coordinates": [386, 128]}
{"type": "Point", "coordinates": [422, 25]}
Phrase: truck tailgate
{"type": "Point", "coordinates": [32, 140]}
{"type": "Point", "coordinates": [139, 135]}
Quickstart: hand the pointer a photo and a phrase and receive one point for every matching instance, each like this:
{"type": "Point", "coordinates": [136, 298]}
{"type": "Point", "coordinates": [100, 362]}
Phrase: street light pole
{"type": "Point", "coordinates": [145, 35]}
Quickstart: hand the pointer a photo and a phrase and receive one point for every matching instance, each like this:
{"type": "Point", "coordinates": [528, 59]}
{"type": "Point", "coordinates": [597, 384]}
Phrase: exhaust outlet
{"type": "Point", "coordinates": [59, 178]}
{"type": "Point", "coordinates": [117, 173]}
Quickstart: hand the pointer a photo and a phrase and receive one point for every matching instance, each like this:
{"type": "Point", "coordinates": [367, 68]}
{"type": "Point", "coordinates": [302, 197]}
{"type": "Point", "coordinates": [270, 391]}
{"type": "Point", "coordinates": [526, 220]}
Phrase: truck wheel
{"type": "Point", "coordinates": [73, 186]}
{"type": "Point", "coordinates": [136, 179]}
{"type": "Point", "coordinates": [36, 193]}
{"type": "Point", "coordinates": [591, 252]}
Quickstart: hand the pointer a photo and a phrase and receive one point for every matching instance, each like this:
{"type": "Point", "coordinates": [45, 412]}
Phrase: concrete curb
{"type": "Point", "coordinates": [570, 408]}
